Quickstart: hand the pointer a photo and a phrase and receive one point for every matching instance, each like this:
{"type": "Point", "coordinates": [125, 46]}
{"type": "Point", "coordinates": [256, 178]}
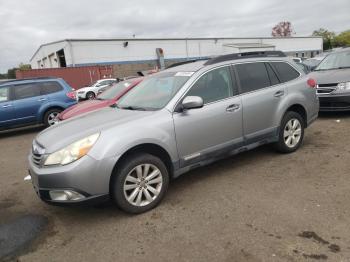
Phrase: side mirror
{"type": "Point", "coordinates": [191, 102]}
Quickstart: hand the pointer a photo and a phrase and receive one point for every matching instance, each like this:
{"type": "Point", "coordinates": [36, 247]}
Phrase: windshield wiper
{"type": "Point", "coordinates": [133, 108]}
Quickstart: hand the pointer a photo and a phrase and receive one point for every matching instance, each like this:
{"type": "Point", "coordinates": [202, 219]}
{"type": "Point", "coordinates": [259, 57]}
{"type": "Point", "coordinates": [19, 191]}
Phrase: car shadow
{"type": "Point", "coordinates": [21, 131]}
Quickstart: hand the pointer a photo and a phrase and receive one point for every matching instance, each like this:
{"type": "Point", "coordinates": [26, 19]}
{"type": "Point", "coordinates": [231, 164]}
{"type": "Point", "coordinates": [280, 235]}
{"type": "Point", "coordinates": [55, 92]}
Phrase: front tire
{"type": "Point", "coordinates": [139, 183]}
{"type": "Point", "coordinates": [291, 133]}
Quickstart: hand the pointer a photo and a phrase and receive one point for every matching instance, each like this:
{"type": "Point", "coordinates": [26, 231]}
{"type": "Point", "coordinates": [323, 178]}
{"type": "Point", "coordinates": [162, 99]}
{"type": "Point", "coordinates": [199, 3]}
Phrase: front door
{"type": "Point", "coordinates": [7, 112]}
{"type": "Point", "coordinates": [214, 129]}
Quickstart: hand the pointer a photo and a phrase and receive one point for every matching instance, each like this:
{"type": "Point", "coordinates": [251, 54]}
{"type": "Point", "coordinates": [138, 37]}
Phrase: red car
{"type": "Point", "coordinates": [107, 98]}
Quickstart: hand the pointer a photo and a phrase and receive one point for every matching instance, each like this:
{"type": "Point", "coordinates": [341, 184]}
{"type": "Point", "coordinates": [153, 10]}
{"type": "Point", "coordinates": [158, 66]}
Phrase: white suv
{"type": "Point", "coordinates": [90, 92]}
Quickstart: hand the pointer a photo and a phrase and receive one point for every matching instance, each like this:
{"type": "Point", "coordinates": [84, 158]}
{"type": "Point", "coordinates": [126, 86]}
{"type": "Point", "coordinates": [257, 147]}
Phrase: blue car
{"type": "Point", "coordinates": [33, 101]}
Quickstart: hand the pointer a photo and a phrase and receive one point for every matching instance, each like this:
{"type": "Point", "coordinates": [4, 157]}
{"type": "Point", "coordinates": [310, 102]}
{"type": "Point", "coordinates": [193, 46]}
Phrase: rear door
{"type": "Point", "coordinates": [261, 94]}
{"type": "Point", "coordinates": [27, 102]}
{"type": "Point", "coordinates": [7, 112]}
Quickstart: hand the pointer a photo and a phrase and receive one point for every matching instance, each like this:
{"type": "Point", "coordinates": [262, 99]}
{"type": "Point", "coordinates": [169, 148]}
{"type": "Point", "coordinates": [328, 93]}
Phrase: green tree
{"type": "Point", "coordinates": [343, 39]}
{"type": "Point", "coordinates": [327, 36]}
{"type": "Point", "coordinates": [22, 66]}
{"type": "Point", "coordinates": [11, 73]}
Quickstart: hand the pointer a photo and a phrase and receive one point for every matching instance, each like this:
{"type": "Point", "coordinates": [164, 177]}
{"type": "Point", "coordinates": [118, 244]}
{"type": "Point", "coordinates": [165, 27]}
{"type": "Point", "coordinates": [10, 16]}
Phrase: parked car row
{"type": "Point", "coordinates": [169, 123]}
{"type": "Point", "coordinates": [90, 92]}
{"type": "Point", "coordinates": [33, 101]}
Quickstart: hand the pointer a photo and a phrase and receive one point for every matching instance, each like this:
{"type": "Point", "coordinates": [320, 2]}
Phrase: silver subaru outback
{"type": "Point", "coordinates": [173, 121]}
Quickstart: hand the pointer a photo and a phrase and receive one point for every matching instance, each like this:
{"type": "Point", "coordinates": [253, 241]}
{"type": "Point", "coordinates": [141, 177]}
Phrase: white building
{"type": "Point", "coordinates": [83, 52]}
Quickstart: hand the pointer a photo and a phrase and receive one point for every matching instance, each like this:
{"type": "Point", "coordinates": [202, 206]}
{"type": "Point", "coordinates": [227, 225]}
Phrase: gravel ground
{"type": "Point", "coordinates": [257, 206]}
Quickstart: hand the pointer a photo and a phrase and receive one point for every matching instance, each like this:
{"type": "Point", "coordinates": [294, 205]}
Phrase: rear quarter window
{"type": "Point", "coordinates": [50, 87]}
{"type": "Point", "coordinates": [285, 71]}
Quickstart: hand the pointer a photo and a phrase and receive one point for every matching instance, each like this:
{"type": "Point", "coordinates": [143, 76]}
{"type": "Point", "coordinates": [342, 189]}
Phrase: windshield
{"type": "Point", "coordinates": [115, 90]}
{"type": "Point", "coordinates": [337, 60]}
{"type": "Point", "coordinates": [154, 92]}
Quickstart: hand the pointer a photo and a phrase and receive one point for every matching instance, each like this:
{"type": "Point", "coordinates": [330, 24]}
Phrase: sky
{"type": "Point", "coordinates": [26, 24]}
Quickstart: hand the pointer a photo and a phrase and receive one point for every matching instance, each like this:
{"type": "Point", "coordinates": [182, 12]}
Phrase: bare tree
{"type": "Point", "coordinates": [282, 29]}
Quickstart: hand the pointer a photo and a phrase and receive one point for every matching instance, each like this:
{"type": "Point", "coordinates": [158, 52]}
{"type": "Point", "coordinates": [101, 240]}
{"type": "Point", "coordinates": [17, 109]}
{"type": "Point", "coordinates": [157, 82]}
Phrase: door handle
{"type": "Point", "coordinates": [41, 99]}
{"type": "Point", "coordinates": [6, 106]}
{"type": "Point", "coordinates": [232, 108]}
{"type": "Point", "coordinates": [279, 93]}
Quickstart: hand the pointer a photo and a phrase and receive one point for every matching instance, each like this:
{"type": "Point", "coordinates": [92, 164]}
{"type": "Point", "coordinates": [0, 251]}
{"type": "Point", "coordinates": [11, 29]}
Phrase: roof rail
{"type": "Point", "coordinates": [236, 56]}
{"type": "Point", "coordinates": [185, 62]}
{"type": "Point", "coordinates": [26, 79]}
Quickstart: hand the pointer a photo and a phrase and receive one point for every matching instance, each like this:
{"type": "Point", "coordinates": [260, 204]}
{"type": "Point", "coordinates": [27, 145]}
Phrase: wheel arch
{"type": "Point", "coordinates": [46, 109]}
{"type": "Point", "coordinates": [298, 108]}
{"type": "Point", "coordinates": [148, 148]}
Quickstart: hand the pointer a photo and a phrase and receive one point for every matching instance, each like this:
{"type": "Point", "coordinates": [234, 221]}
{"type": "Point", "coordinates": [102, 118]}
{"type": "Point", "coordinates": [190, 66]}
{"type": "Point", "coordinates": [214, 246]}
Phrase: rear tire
{"type": "Point", "coordinates": [50, 115]}
{"type": "Point", "coordinates": [139, 183]}
{"type": "Point", "coordinates": [291, 133]}
{"type": "Point", "coordinates": [90, 95]}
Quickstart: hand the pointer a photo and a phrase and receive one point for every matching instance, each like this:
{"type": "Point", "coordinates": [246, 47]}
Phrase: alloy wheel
{"type": "Point", "coordinates": [292, 133]}
{"type": "Point", "coordinates": [143, 184]}
{"type": "Point", "coordinates": [51, 119]}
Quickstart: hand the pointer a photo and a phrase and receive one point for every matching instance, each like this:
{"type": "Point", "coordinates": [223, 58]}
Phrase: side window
{"type": "Point", "coordinates": [50, 87]}
{"type": "Point", "coordinates": [252, 76]}
{"type": "Point", "coordinates": [213, 86]}
{"type": "Point", "coordinates": [272, 75]}
{"type": "Point", "coordinates": [4, 94]}
{"type": "Point", "coordinates": [26, 91]}
{"type": "Point", "coordinates": [285, 71]}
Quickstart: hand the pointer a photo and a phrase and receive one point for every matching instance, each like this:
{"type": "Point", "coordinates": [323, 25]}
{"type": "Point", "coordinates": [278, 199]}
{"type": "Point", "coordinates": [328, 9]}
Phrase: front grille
{"type": "Point", "coordinates": [37, 153]}
{"type": "Point", "coordinates": [37, 159]}
{"type": "Point", "coordinates": [324, 89]}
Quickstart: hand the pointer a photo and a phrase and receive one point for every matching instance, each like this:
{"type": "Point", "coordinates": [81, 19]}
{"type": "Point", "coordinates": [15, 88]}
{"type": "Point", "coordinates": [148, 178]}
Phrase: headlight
{"type": "Point", "coordinates": [72, 152]}
{"type": "Point", "coordinates": [343, 86]}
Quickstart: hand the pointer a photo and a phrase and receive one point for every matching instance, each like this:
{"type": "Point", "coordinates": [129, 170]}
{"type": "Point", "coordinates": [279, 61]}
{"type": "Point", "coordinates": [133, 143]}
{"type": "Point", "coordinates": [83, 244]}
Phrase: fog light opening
{"type": "Point", "coordinates": [65, 195]}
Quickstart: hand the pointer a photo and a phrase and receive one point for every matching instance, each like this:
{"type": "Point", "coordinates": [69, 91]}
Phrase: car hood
{"type": "Point", "coordinates": [86, 88]}
{"type": "Point", "coordinates": [331, 76]}
{"type": "Point", "coordinates": [84, 107]}
{"type": "Point", "coordinates": [58, 136]}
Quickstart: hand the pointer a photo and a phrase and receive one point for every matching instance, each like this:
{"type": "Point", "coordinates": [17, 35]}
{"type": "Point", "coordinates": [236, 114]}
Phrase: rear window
{"type": "Point", "coordinates": [252, 76]}
{"type": "Point", "coordinates": [285, 71]}
{"type": "Point", "coordinates": [50, 87]}
{"type": "Point", "coordinates": [26, 91]}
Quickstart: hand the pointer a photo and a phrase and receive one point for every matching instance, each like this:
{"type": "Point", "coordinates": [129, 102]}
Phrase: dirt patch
{"type": "Point", "coordinates": [314, 236]}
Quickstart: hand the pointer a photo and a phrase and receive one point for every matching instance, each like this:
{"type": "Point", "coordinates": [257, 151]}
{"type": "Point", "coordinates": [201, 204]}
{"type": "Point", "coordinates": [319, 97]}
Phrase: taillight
{"type": "Point", "coordinates": [72, 95]}
{"type": "Point", "coordinates": [311, 83]}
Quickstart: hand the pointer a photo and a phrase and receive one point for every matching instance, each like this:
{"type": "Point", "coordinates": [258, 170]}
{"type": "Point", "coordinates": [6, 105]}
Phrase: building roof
{"type": "Point", "coordinates": [161, 39]}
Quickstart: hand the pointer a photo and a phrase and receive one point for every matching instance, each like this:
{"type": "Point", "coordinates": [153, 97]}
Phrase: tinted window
{"type": "Point", "coordinates": [252, 76]}
{"type": "Point", "coordinates": [50, 87]}
{"type": "Point", "coordinates": [272, 75]}
{"type": "Point", "coordinates": [26, 91]}
{"type": "Point", "coordinates": [213, 86]}
{"type": "Point", "coordinates": [285, 71]}
{"type": "Point", "coordinates": [4, 94]}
